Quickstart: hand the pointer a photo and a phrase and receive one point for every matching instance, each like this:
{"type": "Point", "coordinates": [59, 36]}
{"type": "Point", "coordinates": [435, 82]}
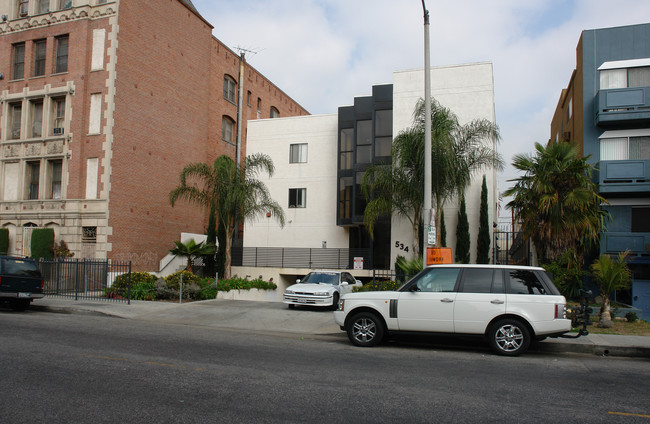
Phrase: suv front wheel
{"type": "Point", "coordinates": [365, 329]}
{"type": "Point", "coordinates": [509, 337]}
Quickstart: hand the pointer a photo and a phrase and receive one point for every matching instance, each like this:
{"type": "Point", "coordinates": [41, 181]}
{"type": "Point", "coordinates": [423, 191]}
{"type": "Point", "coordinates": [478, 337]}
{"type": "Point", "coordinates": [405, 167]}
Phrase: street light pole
{"type": "Point", "coordinates": [426, 210]}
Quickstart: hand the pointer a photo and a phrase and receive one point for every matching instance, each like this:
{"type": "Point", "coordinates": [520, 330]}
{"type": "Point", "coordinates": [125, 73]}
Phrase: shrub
{"type": "Point", "coordinates": [42, 242]}
{"type": "Point", "coordinates": [122, 281]}
{"type": "Point", "coordinates": [144, 291]}
{"type": "Point", "coordinates": [631, 317]}
{"type": "Point", "coordinates": [4, 241]}
{"type": "Point", "coordinates": [173, 281]}
{"type": "Point", "coordinates": [379, 285]}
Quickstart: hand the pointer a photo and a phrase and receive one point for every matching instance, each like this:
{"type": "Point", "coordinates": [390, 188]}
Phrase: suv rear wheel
{"type": "Point", "coordinates": [509, 337]}
{"type": "Point", "coordinates": [365, 329]}
{"type": "Point", "coordinates": [20, 305]}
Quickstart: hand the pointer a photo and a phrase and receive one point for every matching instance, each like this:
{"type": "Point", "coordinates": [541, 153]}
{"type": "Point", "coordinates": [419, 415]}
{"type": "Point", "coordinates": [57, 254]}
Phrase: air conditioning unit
{"type": "Point", "coordinates": [57, 131]}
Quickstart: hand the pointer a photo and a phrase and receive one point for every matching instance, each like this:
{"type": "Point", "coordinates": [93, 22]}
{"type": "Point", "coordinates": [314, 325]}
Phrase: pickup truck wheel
{"type": "Point", "coordinates": [509, 337]}
{"type": "Point", "coordinates": [365, 329]}
{"type": "Point", "coordinates": [335, 301]}
{"type": "Point", "coordinates": [20, 305]}
{"type": "Point", "coordinates": [292, 306]}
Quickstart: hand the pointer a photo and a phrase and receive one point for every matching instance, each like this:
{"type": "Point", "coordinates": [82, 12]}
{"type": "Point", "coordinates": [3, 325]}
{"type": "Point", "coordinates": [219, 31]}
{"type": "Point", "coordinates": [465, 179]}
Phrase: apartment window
{"type": "Point", "coordinates": [95, 114]}
{"type": "Point", "coordinates": [92, 177]}
{"type": "Point", "coordinates": [42, 6]}
{"type": "Point", "coordinates": [383, 132]}
{"type": "Point", "coordinates": [19, 61]}
{"type": "Point", "coordinates": [345, 197]}
{"type": "Point", "coordinates": [624, 78]}
{"type": "Point", "coordinates": [364, 141]}
{"type": "Point", "coordinates": [33, 171]}
{"type": "Point", "coordinates": [61, 54]}
{"type": "Point", "coordinates": [297, 197]}
{"type": "Point", "coordinates": [40, 48]}
{"type": "Point", "coordinates": [346, 148]}
{"type": "Point", "coordinates": [23, 7]}
{"type": "Point", "coordinates": [101, 1]}
{"type": "Point", "coordinates": [640, 221]}
{"type": "Point", "coordinates": [229, 88]}
{"type": "Point", "coordinates": [625, 148]}
{"type": "Point", "coordinates": [248, 98]}
{"type": "Point", "coordinates": [54, 172]}
{"type": "Point", "coordinates": [569, 112]}
{"type": "Point", "coordinates": [298, 153]}
{"type": "Point", "coordinates": [259, 108]}
{"type": "Point", "coordinates": [275, 113]}
{"type": "Point", "coordinates": [58, 115]}
{"type": "Point", "coordinates": [15, 115]}
{"type": "Point", "coordinates": [65, 4]}
{"type": "Point", "coordinates": [36, 128]}
{"type": "Point", "coordinates": [227, 129]}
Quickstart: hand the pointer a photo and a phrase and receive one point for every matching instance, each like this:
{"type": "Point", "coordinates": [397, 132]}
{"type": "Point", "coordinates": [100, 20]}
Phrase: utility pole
{"type": "Point", "coordinates": [426, 210]}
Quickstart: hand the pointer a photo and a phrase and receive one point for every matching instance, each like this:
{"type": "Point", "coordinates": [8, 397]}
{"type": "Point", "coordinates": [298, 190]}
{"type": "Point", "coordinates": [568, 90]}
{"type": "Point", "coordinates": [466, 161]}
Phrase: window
{"type": "Point", "coordinates": [65, 4]}
{"type": "Point", "coordinates": [58, 115]}
{"type": "Point", "coordinates": [42, 6]}
{"type": "Point", "coordinates": [438, 280]}
{"type": "Point", "coordinates": [383, 132]}
{"type": "Point", "coordinates": [297, 197]}
{"type": "Point", "coordinates": [625, 148]}
{"type": "Point", "coordinates": [640, 221]}
{"type": "Point", "coordinates": [525, 282]}
{"type": "Point", "coordinates": [101, 1]}
{"type": "Point", "coordinates": [364, 142]}
{"type": "Point", "coordinates": [19, 61]}
{"type": "Point", "coordinates": [275, 113]}
{"type": "Point", "coordinates": [33, 170]}
{"type": "Point", "coordinates": [259, 108]}
{"type": "Point", "coordinates": [248, 98]}
{"type": "Point", "coordinates": [40, 47]}
{"type": "Point", "coordinates": [625, 78]}
{"type": "Point", "coordinates": [61, 54]}
{"type": "Point", "coordinates": [99, 41]}
{"type": "Point", "coordinates": [54, 174]}
{"type": "Point", "coordinates": [346, 148]}
{"type": "Point", "coordinates": [229, 88]}
{"type": "Point", "coordinates": [482, 280]}
{"type": "Point", "coordinates": [95, 116]}
{"type": "Point", "coordinates": [227, 129]}
{"type": "Point", "coordinates": [345, 198]}
{"type": "Point", "coordinates": [569, 111]}
{"type": "Point", "coordinates": [298, 153]}
{"type": "Point", "coordinates": [15, 115]}
{"type": "Point", "coordinates": [36, 129]}
{"type": "Point", "coordinates": [92, 177]}
{"type": "Point", "coordinates": [23, 7]}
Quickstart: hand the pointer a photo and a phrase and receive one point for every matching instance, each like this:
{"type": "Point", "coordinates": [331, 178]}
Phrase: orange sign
{"type": "Point", "coordinates": [439, 255]}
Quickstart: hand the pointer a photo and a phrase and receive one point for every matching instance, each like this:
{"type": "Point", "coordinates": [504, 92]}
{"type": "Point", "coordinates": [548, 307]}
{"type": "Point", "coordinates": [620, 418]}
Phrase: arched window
{"type": "Point", "coordinates": [228, 129]}
{"type": "Point", "coordinates": [229, 88]}
{"type": "Point", "coordinates": [275, 113]}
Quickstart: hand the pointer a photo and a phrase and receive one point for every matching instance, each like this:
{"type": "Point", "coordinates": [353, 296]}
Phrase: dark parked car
{"type": "Point", "coordinates": [20, 282]}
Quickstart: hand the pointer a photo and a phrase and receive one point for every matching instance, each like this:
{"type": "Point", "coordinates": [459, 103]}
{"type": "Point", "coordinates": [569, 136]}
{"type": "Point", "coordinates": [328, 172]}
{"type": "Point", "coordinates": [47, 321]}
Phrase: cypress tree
{"type": "Point", "coordinates": [462, 235]}
{"type": "Point", "coordinates": [483, 242]}
{"type": "Point", "coordinates": [443, 230]}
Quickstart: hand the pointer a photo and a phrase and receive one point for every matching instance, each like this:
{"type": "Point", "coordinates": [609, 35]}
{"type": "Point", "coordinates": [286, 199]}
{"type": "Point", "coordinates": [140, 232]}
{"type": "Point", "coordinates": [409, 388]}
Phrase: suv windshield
{"type": "Point", "coordinates": [19, 267]}
{"type": "Point", "coordinates": [321, 277]}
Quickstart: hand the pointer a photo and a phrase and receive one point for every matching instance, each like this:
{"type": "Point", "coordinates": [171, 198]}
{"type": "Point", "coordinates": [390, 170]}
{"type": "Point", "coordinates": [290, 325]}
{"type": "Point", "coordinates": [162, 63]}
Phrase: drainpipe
{"type": "Point", "coordinates": [240, 107]}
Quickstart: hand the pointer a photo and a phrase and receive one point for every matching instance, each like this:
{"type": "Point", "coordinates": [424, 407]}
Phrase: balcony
{"type": "Point", "coordinates": [624, 176]}
{"type": "Point", "coordinates": [636, 243]}
{"type": "Point", "coordinates": [623, 106]}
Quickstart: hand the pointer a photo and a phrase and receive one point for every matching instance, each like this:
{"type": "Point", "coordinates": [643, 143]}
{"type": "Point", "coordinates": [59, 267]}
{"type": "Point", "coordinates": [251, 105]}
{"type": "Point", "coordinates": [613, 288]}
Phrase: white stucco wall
{"type": "Point", "coordinates": [316, 223]}
{"type": "Point", "coordinates": [468, 90]}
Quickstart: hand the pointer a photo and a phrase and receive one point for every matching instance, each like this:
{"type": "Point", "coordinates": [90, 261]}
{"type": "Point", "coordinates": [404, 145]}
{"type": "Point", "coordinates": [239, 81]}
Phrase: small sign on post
{"type": "Point", "coordinates": [439, 255]}
{"type": "Point", "coordinates": [358, 262]}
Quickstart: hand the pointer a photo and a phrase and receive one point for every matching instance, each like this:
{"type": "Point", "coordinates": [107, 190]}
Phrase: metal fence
{"type": "Point", "coordinates": [282, 257]}
{"type": "Point", "coordinates": [510, 247]}
{"type": "Point", "coordinates": [86, 279]}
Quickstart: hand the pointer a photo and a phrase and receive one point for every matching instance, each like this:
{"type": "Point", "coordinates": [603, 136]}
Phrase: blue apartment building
{"type": "Point", "coordinates": [606, 110]}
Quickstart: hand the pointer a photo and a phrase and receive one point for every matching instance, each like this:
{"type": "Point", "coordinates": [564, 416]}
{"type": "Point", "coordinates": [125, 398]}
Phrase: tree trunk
{"type": "Point", "coordinates": [416, 234]}
{"type": "Point", "coordinates": [230, 230]}
{"type": "Point", "coordinates": [606, 315]}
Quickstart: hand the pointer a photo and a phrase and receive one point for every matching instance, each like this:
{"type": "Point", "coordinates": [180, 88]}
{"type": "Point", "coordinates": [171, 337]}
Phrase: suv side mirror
{"type": "Point", "coordinates": [414, 288]}
{"type": "Point", "coordinates": [344, 283]}
{"type": "Point", "coordinates": [298, 281]}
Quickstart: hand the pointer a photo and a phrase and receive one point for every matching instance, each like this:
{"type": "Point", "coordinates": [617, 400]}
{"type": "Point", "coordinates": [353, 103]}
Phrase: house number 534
{"type": "Point", "coordinates": [401, 246]}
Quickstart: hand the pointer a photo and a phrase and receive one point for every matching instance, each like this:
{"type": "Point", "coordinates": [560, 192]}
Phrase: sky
{"type": "Point", "coordinates": [323, 53]}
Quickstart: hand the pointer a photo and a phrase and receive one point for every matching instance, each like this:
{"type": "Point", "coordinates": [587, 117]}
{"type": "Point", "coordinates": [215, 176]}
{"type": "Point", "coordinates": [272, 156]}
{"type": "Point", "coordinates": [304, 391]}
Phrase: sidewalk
{"type": "Point", "coordinates": [276, 317]}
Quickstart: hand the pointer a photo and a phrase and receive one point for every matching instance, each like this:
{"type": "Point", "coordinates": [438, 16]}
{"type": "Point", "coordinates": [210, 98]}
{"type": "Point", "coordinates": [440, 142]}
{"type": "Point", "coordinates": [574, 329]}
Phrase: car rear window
{"type": "Point", "coordinates": [525, 282]}
{"type": "Point", "coordinates": [19, 267]}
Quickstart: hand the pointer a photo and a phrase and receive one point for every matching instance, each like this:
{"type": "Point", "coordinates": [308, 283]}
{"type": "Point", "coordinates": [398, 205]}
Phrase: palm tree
{"type": "Point", "coordinates": [192, 250]}
{"type": "Point", "coordinates": [556, 201]}
{"type": "Point", "coordinates": [610, 275]}
{"type": "Point", "coordinates": [457, 152]}
{"type": "Point", "coordinates": [234, 193]}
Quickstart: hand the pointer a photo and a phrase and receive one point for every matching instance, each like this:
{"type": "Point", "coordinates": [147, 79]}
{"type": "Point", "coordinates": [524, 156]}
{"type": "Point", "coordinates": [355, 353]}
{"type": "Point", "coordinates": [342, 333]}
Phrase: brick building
{"type": "Point", "coordinates": [102, 103]}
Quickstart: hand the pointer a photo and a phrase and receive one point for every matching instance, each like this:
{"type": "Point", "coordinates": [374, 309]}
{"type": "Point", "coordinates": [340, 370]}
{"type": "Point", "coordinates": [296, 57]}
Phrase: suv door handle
{"type": "Point", "coordinates": [497, 302]}
{"type": "Point", "coordinates": [446, 300]}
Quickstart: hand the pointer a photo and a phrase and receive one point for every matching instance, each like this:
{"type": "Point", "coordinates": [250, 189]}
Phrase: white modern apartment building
{"type": "Point", "coordinates": [319, 163]}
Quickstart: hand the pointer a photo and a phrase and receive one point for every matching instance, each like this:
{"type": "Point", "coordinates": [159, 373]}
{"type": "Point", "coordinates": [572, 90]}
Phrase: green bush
{"type": "Point", "coordinates": [4, 241]}
{"type": "Point", "coordinates": [379, 285]}
{"type": "Point", "coordinates": [173, 281]}
{"type": "Point", "coordinates": [144, 291]}
{"type": "Point", "coordinates": [243, 284]}
{"type": "Point", "coordinates": [122, 280]}
{"type": "Point", "coordinates": [42, 242]}
{"type": "Point", "coordinates": [631, 317]}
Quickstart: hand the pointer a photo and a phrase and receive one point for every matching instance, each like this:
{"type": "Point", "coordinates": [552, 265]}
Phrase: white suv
{"type": "Point", "coordinates": [510, 305]}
